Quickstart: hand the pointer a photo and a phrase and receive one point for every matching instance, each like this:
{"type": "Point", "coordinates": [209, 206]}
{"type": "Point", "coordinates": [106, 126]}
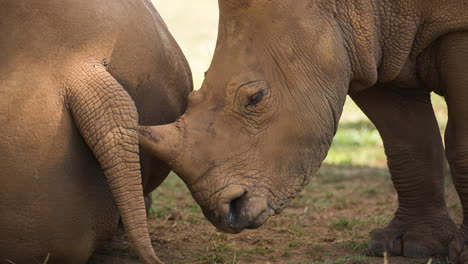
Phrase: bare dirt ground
{"type": "Point", "coordinates": [328, 223]}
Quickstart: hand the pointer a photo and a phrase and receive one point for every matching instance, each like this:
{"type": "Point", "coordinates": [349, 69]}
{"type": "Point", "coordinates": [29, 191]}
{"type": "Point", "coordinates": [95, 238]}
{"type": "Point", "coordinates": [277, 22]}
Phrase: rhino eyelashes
{"type": "Point", "coordinates": [255, 99]}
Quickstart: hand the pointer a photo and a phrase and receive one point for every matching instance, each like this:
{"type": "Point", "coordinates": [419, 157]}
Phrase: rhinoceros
{"type": "Point", "coordinates": [264, 119]}
{"type": "Point", "coordinates": [76, 79]}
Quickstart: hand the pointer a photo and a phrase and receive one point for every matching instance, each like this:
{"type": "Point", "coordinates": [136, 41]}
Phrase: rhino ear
{"type": "Point", "coordinates": [164, 142]}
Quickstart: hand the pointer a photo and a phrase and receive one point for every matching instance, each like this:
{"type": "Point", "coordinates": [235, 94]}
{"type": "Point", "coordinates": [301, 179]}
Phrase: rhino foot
{"type": "Point", "coordinates": [458, 248]}
{"type": "Point", "coordinates": [420, 237]}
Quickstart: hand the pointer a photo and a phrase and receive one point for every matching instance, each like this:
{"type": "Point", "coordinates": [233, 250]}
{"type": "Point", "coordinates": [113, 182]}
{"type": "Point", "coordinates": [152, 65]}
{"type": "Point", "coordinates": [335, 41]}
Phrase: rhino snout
{"type": "Point", "coordinates": [240, 210]}
{"type": "Point", "coordinates": [247, 212]}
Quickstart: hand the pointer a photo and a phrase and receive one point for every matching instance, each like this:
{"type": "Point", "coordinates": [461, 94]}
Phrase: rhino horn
{"type": "Point", "coordinates": [163, 141]}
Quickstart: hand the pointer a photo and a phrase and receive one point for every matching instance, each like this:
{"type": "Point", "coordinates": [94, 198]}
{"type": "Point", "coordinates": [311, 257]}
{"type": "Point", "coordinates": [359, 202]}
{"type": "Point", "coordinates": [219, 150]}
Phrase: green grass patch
{"type": "Point", "coordinates": [343, 224]}
{"type": "Point", "coordinates": [295, 244]}
{"type": "Point", "coordinates": [357, 247]}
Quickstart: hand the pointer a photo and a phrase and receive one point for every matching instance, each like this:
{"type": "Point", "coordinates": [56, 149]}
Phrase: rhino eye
{"type": "Point", "coordinates": [255, 99]}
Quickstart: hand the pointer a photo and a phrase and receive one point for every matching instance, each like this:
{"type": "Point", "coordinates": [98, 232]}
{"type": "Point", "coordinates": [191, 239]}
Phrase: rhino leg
{"type": "Point", "coordinates": [413, 145]}
{"type": "Point", "coordinates": [452, 56]}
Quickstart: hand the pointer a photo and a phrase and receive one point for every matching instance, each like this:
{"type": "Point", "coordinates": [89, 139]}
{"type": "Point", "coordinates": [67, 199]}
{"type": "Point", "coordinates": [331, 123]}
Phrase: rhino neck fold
{"type": "Point", "coordinates": [360, 27]}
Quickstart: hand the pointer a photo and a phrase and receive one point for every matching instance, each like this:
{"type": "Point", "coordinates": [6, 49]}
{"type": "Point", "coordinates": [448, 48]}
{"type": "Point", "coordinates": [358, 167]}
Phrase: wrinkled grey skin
{"type": "Point", "coordinates": [72, 76]}
{"type": "Point", "coordinates": [265, 117]}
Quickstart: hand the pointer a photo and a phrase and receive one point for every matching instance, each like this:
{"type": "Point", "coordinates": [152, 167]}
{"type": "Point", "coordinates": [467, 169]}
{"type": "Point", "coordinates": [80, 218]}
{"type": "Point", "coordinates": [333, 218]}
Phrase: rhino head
{"type": "Point", "coordinates": [266, 114]}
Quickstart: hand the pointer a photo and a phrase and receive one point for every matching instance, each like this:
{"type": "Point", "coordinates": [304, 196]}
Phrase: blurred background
{"type": "Point", "coordinates": [194, 24]}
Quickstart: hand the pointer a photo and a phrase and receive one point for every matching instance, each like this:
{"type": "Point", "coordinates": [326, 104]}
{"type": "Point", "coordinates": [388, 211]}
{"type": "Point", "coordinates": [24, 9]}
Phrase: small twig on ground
{"type": "Point", "coordinates": [430, 261]}
{"type": "Point", "coordinates": [46, 259]}
{"type": "Point", "coordinates": [167, 219]}
{"type": "Point", "coordinates": [235, 255]}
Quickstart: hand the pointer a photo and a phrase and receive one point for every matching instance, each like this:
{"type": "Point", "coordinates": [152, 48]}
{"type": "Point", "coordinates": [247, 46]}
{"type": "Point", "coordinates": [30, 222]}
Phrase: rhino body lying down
{"type": "Point", "coordinates": [265, 117]}
{"type": "Point", "coordinates": [72, 76]}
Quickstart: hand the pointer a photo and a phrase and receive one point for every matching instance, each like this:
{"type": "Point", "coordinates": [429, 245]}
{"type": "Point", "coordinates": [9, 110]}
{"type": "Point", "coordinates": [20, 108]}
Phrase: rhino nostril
{"type": "Point", "coordinates": [246, 212]}
{"type": "Point", "coordinates": [235, 209]}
